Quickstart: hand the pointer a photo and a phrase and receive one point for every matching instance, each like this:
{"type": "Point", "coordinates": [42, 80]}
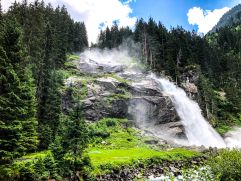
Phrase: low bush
{"type": "Point", "coordinates": [37, 166]}
{"type": "Point", "coordinates": [226, 165]}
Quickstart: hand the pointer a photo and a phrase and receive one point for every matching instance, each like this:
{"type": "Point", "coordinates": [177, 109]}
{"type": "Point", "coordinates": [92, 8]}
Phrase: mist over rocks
{"type": "Point", "coordinates": [118, 86]}
{"type": "Point", "coordinates": [93, 67]}
{"type": "Point", "coordinates": [233, 138]}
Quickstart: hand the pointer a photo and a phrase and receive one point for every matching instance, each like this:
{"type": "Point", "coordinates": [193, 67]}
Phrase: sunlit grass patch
{"type": "Point", "coordinates": [104, 159]}
{"type": "Point", "coordinates": [41, 154]}
{"type": "Point", "coordinates": [73, 57]}
{"type": "Point", "coordinates": [116, 144]}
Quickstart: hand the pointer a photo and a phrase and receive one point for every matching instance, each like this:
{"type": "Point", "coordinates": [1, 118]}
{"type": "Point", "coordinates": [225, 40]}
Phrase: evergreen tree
{"type": "Point", "coordinates": [71, 139]}
{"type": "Point", "coordinates": [77, 136]}
{"type": "Point", "coordinates": [17, 101]}
{"type": "Point", "coordinates": [80, 41]}
{"type": "Point", "coordinates": [70, 142]}
{"type": "Point", "coordinates": [49, 105]}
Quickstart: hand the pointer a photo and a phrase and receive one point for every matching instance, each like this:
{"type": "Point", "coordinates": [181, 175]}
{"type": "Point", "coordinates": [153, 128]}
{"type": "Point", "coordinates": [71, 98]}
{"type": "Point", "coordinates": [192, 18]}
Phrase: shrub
{"type": "Point", "coordinates": [226, 165]}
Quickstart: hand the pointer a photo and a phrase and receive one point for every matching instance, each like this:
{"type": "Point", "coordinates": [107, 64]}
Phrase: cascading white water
{"type": "Point", "coordinates": [233, 138]}
{"type": "Point", "coordinates": [198, 130]}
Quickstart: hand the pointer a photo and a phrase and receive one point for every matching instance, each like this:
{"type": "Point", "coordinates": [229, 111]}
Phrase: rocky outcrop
{"type": "Point", "coordinates": [124, 94]}
{"type": "Point", "coordinates": [88, 66]}
{"type": "Point", "coordinates": [175, 129]}
{"type": "Point", "coordinates": [189, 81]}
{"type": "Point", "coordinates": [141, 172]}
{"type": "Point", "coordinates": [190, 87]}
{"type": "Point", "coordinates": [156, 109]}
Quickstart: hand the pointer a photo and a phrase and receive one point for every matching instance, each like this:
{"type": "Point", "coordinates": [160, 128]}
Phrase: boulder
{"type": "Point", "coordinates": [152, 109]}
{"type": "Point", "coordinates": [101, 107]}
{"type": "Point", "coordinates": [175, 129]}
{"type": "Point", "coordinates": [189, 82]}
{"type": "Point", "coordinates": [88, 66]}
{"type": "Point", "coordinates": [190, 87]}
{"type": "Point", "coordinates": [140, 89]}
{"type": "Point", "coordinates": [190, 76]}
{"type": "Point", "coordinates": [141, 100]}
{"type": "Point", "coordinates": [108, 83]}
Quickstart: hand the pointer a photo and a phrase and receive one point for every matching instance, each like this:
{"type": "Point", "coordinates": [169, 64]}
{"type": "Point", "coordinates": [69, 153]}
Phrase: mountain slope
{"type": "Point", "coordinates": [233, 16]}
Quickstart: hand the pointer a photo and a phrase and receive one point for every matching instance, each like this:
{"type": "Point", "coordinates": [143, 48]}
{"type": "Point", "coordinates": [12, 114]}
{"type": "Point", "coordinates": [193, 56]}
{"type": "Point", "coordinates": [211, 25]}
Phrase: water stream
{"type": "Point", "coordinates": [198, 130]}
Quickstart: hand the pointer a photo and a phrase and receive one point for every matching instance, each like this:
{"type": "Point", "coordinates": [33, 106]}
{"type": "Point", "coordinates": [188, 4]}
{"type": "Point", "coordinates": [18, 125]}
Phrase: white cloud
{"type": "Point", "coordinates": [129, 1]}
{"type": "Point", "coordinates": [205, 19]}
{"type": "Point", "coordinates": [94, 13]}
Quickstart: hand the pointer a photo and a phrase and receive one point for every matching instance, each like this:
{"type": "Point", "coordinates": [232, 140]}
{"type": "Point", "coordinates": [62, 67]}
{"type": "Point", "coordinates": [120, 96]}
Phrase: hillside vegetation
{"type": "Point", "coordinates": [41, 139]}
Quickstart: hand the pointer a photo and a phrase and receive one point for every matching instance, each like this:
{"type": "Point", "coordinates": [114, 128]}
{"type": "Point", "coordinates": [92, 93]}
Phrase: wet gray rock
{"type": "Point", "coordinates": [88, 66]}
{"type": "Point", "coordinates": [108, 83]}
{"type": "Point", "coordinates": [151, 141]}
{"type": "Point", "coordinates": [189, 82]}
{"type": "Point", "coordinates": [156, 109]}
{"type": "Point", "coordinates": [190, 87]}
{"type": "Point", "coordinates": [106, 97]}
{"type": "Point", "coordinates": [141, 99]}
{"type": "Point", "coordinates": [102, 107]}
{"type": "Point", "coordinates": [145, 89]}
{"type": "Point", "coordinates": [190, 76]}
{"type": "Point", "coordinates": [156, 170]}
{"type": "Point", "coordinates": [175, 129]}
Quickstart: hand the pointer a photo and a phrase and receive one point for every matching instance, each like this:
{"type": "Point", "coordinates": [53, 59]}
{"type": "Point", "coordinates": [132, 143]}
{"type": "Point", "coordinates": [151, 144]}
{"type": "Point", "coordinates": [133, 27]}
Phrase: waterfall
{"type": "Point", "coordinates": [198, 130]}
{"type": "Point", "coordinates": [233, 138]}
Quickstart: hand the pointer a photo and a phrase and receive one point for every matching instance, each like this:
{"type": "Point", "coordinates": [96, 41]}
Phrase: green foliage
{"type": "Point", "coordinates": [114, 133]}
{"type": "Point", "coordinates": [34, 42]}
{"type": "Point", "coordinates": [112, 38]}
{"type": "Point", "coordinates": [114, 144]}
{"type": "Point", "coordinates": [223, 128]}
{"type": "Point", "coordinates": [104, 160]}
{"type": "Point", "coordinates": [118, 78]}
{"type": "Point", "coordinates": [17, 102]}
{"type": "Point", "coordinates": [72, 57]}
{"type": "Point", "coordinates": [48, 34]}
{"type": "Point", "coordinates": [173, 52]}
{"type": "Point", "coordinates": [37, 166]}
{"type": "Point", "coordinates": [70, 142]}
{"type": "Point", "coordinates": [226, 165]}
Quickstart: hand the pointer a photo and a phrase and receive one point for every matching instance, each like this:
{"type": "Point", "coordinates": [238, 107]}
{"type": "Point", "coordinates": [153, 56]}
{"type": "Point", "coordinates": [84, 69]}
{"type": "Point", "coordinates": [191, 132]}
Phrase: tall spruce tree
{"type": "Point", "coordinates": [70, 142]}
{"type": "Point", "coordinates": [17, 102]}
{"type": "Point", "coordinates": [48, 97]}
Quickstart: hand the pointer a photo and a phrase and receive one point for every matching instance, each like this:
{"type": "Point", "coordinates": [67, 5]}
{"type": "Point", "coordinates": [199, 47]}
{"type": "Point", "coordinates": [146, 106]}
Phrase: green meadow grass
{"type": "Point", "coordinates": [121, 145]}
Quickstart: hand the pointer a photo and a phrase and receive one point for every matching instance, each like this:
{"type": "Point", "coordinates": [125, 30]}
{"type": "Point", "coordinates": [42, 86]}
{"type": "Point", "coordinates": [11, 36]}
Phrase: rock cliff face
{"type": "Point", "coordinates": [115, 91]}
{"type": "Point", "coordinates": [189, 81]}
{"type": "Point", "coordinates": [233, 16]}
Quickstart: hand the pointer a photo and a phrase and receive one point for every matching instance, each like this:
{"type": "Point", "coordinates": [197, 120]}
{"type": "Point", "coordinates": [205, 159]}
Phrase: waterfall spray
{"type": "Point", "coordinates": [198, 130]}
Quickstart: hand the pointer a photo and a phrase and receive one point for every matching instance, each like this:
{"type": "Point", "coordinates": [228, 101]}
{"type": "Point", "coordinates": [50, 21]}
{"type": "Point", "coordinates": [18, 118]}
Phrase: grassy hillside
{"type": "Point", "coordinates": [115, 144]}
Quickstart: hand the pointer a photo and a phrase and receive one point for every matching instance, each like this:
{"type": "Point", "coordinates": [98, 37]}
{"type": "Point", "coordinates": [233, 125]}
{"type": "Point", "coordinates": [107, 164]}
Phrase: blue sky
{"type": "Point", "coordinates": [174, 12]}
{"type": "Point", "coordinates": [200, 15]}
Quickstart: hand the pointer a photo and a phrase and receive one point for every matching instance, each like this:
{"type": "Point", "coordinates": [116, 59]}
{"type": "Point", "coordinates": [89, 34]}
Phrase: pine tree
{"type": "Point", "coordinates": [80, 41]}
{"type": "Point", "coordinates": [48, 96]}
{"type": "Point", "coordinates": [72, 138]}
{"type": "Point", "coordinates": [17, 102]}
{"type": "Point", "coordinates": [77, 136]}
